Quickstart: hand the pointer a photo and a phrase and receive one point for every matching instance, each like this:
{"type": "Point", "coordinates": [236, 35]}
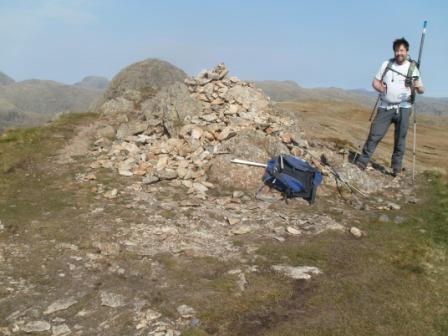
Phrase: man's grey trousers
{"type": "Point", "coordinates": [378, 129]}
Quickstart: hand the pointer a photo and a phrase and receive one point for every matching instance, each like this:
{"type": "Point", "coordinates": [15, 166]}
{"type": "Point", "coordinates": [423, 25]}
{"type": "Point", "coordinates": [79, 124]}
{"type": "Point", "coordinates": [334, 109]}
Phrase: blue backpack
{"type": "Point", "coordinates": [293, 177]}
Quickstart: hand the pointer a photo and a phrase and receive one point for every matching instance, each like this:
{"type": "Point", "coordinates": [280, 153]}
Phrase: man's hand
{"type": "Point", "coordinates": [379, 86]}
{"type": "Point", "coordinates": [418, 86]}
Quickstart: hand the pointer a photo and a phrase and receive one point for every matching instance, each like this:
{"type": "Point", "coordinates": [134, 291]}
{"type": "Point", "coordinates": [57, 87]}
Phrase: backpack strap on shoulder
{"type": "Point", "coordinates": [409, 80]}
{"type": "Point", "coordinates": [388, 67]}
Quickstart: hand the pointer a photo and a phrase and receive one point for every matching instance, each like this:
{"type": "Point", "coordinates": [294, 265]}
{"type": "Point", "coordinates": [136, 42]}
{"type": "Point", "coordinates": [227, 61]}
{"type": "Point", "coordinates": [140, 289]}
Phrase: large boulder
{"type": "Point", "coordinates": [171, 106]}
{"type": "Point", "coordinates": [251, 145]}
{"type": "Point", "coordinates": [140, 81]}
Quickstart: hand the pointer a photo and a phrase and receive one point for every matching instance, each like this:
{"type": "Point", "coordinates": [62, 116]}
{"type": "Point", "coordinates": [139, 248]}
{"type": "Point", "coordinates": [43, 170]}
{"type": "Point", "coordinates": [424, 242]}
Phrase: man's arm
{"type": "Point", "coordinates": [377, 83]}
{"type": "Point", "coordinates": [419, 87]}
{"type": "Point", "coordinates": [378, 86]}
{"type": "Point", "coordinates": [418, 84]}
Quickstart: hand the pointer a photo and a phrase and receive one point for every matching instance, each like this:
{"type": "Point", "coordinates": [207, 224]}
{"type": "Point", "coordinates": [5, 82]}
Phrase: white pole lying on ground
{"type": "Point", "coordinates": [249, 163]}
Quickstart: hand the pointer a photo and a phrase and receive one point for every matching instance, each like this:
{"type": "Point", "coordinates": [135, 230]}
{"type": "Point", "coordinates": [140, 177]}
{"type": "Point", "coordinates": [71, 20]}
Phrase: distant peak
{"type": "Point", "coordinates": [93, 82]}
{"type": "Point", "coordinates": [5, 79]}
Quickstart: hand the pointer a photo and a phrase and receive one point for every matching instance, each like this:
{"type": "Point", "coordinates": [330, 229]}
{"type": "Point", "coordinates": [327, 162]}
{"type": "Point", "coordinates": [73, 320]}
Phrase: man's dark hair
{"type": "Point", "coordinates": [399, 42]}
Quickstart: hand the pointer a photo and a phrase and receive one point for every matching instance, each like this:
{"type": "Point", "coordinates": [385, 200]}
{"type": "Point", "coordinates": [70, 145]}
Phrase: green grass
{"type": "Point", "coordinates": [392, 282]}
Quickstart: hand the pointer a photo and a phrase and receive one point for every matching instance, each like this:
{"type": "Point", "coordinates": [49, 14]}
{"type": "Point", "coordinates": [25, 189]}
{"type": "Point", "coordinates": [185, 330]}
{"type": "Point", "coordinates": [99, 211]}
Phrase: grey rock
{"type": "Point", "coordinates": [112, 300]}
{"type": "Point", "coordinates": [132, 127]}
{"type": "Point", "coordinates": [147, 77]}
{"type": "Point", "coordinates": [61, 330]}
{"type": "Point", "coordinates": [393, 206]}
{"type": "Point", "coordinates": [36, 326]}
{"type": "Point", "coordinates": [172, 105]}
{"type": "Point", "coordinates": [242, 282]}
{"type": "Point", "coordinates": [299, 272]}
{"type": "Point", "coordinates": [60, 304]}
{"type": "Point", "coordinates": [116, 106]}
{"type": "Point", "coordinates": [150, 179]}
{"type": "Point", "coordinates": [355, 232]}
{"type": "Point", "coordinates": [166, 174]}
{"type": "Point", "coordinates": [237, 194]}
{"type": "Point", "coordinates": [233, 220]}
{"type": "Point", "coordinates": [293, 231]}
{"type": "Point", "coordinates": [186, 311]}
{"type": "Point", "coordinates": [243, 229]}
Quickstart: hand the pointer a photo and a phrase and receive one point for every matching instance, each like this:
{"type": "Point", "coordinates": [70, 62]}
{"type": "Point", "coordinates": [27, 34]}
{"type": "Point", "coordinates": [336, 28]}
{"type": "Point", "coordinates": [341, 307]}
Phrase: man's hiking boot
{"type": "Point", "coordinates": [396, 172]}
{"type": "Point", "coordinates": [360, 165]}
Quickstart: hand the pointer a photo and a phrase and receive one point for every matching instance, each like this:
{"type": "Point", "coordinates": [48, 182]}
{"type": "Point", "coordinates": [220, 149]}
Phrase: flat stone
{"type": "Point", "coordinates": [145, 318]}
{"type": "Point", "coordinates": [299, 272]}
{"type": "Point", "coordinates": [60, 304]}
{"type": "Point", "coordinates": [185, 311]}
{"type": "Point", "coordinates": [279, 238]}
{"type": "Point", "coordinates": [199, 187]}
{"type": "Point", "coordinates": [111, 193]}
{"type": "Point", "coordinates": [355, 232]}
{"type": "Point", "coordinates": [112, 300]}
{"type": "Point", "coordinates": [393, 206]}
{"type": "Point", "coordinates": [242, 282]}
{"type": "Point", "coordinates": [233, 220]}
{"type": "Point", "coordinates": [125, 172]}
{"type": "Point", "coordinates": [150, 179]}
{"type": "Point", "coordinates": [209, 117]}
{"type": "Point", "coordinates": [61, 330]}
{"type": "Point", "coordinates": [226, 133]}
{"type": "Point", "coordinates": [36, 326]}
{"type": "Point", "coordinates": [167, 174]}
{"type": "Point", "coordinates": [237, 194]}
{"type": "Point", "coordinates": [293, 231]}
{"type": "Point", "coordinates": [196, 133]}
{"type": "Point", "coordinates": [241, 230]}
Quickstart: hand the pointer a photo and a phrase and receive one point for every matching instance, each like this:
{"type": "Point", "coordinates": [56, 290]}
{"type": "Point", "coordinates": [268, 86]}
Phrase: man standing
{"type": "Point", "coordinates": [397, 81]}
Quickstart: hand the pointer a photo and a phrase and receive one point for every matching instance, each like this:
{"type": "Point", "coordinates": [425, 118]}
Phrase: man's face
{"type": "Point", "coordinates": [401, 54]}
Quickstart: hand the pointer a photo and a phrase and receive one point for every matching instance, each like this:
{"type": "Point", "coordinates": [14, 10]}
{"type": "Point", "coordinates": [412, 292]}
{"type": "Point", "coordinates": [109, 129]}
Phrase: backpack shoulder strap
{"type": "Point", "coordinates": [409, 82]}
{"type": "Point", "coordinates": [388, 67]}
{"type": "Point", "coordinates": [412, 68]}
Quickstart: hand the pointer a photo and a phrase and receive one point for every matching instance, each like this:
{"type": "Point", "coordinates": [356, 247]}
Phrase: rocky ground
{"type": "Point", "coordinates": [123, 228]}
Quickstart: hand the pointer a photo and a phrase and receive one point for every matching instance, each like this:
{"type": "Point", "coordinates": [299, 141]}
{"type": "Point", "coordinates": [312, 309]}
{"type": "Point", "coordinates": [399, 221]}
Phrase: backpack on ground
{"type": "Point", "coordinates": [293, 177]}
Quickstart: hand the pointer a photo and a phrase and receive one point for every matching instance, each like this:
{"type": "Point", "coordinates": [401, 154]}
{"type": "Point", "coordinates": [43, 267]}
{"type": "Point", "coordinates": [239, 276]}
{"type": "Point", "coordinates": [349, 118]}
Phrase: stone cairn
{"type": "Point", "coordinates": [158, 147]}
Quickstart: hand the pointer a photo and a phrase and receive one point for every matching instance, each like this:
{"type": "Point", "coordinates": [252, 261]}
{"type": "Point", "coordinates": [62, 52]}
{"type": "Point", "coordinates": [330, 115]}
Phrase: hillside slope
{"type": "Point", "coordinates": [33, 102]}
{"type": "Point", "coordinates": [291, 91]}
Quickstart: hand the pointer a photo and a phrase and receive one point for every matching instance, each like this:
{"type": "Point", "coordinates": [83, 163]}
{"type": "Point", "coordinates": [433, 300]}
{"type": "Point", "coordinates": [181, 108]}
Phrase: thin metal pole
{"type": "Point", "coordinates": [419, 62]}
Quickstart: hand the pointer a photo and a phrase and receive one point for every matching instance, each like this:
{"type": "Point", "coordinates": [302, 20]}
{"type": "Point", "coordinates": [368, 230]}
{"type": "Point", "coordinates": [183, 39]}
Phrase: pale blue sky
{"type": "Point", "coordinates": [316, 43]}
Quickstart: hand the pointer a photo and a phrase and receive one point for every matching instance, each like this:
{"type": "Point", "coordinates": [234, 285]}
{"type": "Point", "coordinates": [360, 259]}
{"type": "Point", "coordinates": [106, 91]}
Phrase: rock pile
{"type": "Point", "coordinates": [190, 131]}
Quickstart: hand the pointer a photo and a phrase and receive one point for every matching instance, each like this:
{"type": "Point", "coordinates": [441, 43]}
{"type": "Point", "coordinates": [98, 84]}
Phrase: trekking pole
{"type": "Point", "coordinates": [422, 41]}
{"type": "Point", "coordinates": [332, 170]}
{"type": "Point", "coordinates": [249, 163]}
{"type": "Point", "coordinates": [337, 176]}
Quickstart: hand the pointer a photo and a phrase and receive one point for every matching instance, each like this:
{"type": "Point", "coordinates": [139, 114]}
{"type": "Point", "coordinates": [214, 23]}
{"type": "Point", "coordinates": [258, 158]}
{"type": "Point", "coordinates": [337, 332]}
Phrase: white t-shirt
{"type": "Point", "coordinates": [396, 92]}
